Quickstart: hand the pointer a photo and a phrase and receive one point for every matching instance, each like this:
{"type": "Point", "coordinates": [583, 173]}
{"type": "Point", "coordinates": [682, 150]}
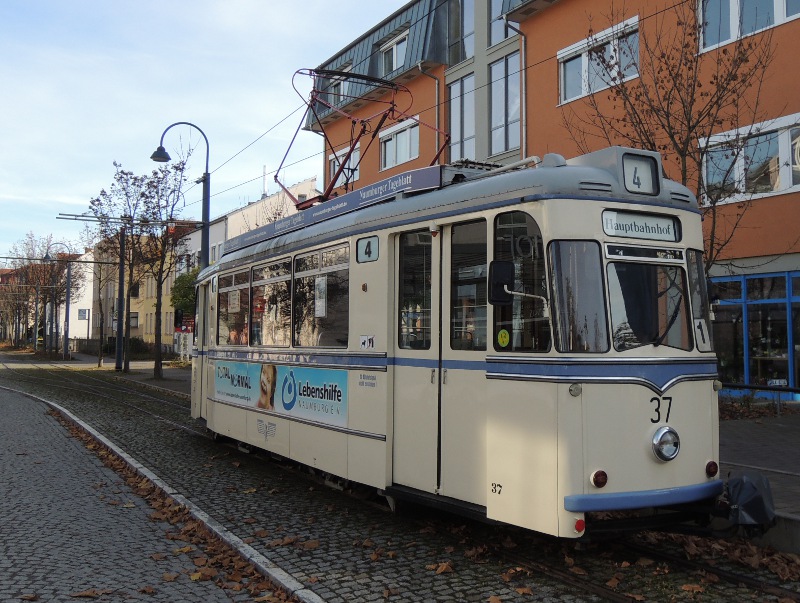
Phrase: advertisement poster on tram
{"type": "Point", "coordinates": [318, 395]}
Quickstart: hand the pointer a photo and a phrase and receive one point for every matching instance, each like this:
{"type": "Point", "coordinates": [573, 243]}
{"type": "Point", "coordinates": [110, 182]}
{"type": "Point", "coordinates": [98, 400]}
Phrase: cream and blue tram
{"type": "Point", "coordinates": [531, 345]}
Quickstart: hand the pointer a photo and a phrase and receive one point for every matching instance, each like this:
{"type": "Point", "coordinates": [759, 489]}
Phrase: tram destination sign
{"type": "Point", "coordinates": [640, 226]}
{"type": "Point", "coordinates": [415, 180]}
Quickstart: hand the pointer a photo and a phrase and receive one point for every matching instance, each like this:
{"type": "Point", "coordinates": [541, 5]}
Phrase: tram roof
{"type": "Point", "coordinates": [439, 191]}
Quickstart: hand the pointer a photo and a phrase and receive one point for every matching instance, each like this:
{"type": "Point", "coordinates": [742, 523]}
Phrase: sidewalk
{"type": "Point", "coordinates": [72, 529]}
{"type": "Point", "coordinates": [176, 379]}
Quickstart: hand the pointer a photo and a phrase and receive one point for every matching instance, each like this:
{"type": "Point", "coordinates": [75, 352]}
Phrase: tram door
{"type": "Point", "coordinates": [462, 416]}
{"type": "Point", "coordinates": [416, 371]}
{"type": "Point", "coordinates": [439, 416]}
{"type": "Point", "coordinates": [199, 356]}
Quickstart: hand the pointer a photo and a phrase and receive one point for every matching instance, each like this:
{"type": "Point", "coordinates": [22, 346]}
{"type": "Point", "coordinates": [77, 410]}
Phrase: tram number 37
{"type": "Point", "coordinates": [663, 406]}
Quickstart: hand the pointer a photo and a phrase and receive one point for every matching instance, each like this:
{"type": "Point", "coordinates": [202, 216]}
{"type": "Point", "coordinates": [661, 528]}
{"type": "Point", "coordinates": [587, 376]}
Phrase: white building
{"type": "Point", "coordinates": [247, 218]}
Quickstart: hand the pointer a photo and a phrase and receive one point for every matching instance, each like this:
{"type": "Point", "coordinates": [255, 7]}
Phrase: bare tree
{"type": "Point", "coordinates": [681, 98]}
{"type": "Point", "coordinates": [38, 283]}
{"type": "Point", "coordinates": [161, 244]}
{"type": "Point", "coordinates": [119, 211]}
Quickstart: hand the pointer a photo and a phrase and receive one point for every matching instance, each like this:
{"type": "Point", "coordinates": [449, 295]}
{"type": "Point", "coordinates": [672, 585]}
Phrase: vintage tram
{"type": "Point", "coordinates": [531, 344]}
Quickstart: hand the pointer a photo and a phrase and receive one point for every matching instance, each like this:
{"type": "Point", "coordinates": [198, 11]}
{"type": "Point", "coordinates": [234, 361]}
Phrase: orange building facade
{"type": "Point", "coordinates": [500, 81]}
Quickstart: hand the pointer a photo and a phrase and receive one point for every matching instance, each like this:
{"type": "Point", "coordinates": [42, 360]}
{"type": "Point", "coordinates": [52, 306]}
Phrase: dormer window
{"type": "Point", "coordinates": [337, 88]}
{"type": "Point", "coordinates": [393, 54]}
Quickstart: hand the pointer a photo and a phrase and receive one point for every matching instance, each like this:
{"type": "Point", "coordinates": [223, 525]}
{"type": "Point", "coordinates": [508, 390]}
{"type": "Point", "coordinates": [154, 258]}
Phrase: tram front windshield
{"type": "Point", "coordinates": [649, 305]}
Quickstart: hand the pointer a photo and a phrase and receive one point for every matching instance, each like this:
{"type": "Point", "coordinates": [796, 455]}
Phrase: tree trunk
{"type": "Point", "coordinates": [100, 338]}
{"type": "Point", "coordinates": [126, 366]}
{"type": "Point", "coordinates": [158, 372]}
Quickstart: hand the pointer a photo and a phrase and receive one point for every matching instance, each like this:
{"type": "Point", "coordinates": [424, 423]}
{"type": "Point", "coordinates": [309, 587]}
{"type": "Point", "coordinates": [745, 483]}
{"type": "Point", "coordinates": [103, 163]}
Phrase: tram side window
{"type": "Point", "coordinates": [577, 281]}
{"type": "Point", "coordinates": [322, 298]}
{"type": "Point", "coordinates": [468, 286]}
{"type": "Point", "coordinates": [414, 302]}
{"type": "Point", "coordinates": [272, 304]}
{"type": "Point", "coordinates": [521, 326]}
{"type": "Point", "coordinates": [701, 308]}
{"type": "Point", "coordinates": [234, 308]}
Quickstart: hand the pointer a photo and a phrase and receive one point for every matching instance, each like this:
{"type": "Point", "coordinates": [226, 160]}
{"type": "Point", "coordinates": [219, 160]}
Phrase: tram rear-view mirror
{"type": "Point", "coordinates": [501, 282]}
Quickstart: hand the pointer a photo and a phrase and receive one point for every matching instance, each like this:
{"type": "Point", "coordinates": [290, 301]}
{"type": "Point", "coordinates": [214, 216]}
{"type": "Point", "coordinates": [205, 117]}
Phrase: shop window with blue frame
{"type": "Point", "coordinates": [795, 332]}
{"type": "Point", "coordinates": [757, 322]}
{"type": "Point", "coordinates": [767, 330]}
{"type": "Point", "coordinates": [767, 340]}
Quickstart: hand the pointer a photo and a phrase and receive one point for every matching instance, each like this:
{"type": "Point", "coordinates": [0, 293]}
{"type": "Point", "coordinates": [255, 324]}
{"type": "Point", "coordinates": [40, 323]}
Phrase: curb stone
{"type": "Point", "coordinates": [264, 566]}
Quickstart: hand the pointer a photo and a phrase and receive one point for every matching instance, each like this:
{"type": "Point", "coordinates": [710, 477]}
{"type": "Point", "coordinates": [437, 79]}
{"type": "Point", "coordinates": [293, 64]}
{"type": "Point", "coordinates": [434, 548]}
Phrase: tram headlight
{"type": "Point", "coordinates": [666, 443]}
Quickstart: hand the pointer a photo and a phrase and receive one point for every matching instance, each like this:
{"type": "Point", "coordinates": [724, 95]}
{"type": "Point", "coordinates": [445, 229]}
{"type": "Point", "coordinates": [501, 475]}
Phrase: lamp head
{"type": "Point", "coordinates": [47, 257]}
{"type": "Point", "coordinates": [160, 155]}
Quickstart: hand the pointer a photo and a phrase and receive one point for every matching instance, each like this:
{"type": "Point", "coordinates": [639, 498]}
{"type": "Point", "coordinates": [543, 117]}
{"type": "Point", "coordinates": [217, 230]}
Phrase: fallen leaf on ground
{"type": "Point", "coordinates": [692, 588]}
{"type": "Point", "coordinates": [92, 593]}
{"type": "Point", "coordinates": [184, 549]}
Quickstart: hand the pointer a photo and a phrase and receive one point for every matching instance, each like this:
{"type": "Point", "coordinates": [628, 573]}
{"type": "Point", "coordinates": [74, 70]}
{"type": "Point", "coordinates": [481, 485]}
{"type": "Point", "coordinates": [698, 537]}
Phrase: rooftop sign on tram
{"type": "Point", "coordinates": [415, 180]}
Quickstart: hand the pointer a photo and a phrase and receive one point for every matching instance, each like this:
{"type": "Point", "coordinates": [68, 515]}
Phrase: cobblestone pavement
{"type": "Point", "coordinates": [341, 547]}
{"type": "Point", "coordinates": [71, 529]}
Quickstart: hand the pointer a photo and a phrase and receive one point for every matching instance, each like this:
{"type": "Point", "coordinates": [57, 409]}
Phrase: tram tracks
{"type": "Point", "coordinates": [651, 575]}
{"type": "Point", "coordinates": [714, 573]}
{"type": "Point", "coordinates": [117, 391]}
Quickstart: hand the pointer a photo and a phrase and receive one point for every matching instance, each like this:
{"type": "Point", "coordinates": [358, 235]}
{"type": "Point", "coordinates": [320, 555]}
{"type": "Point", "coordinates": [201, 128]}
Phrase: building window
{"type": "Point", "coordinates": [608, 58]}
{"type": "Point", "coordinates": [461, 96]}
{"type": "Point", "coordinates": [135, 290]}
{"type": "Point", "coordinates": [461, 21]}
{"type": "Point", "coordinates": [498, 30]}
{"type": "Point", "coordinates": [767, 162]}
{"type": "Point", "coordinates": [393, 54]}
{"type": "Point", "coordinates": [726, 20]}
{"type": "Point", "coordinates": [350, 172]}
{"type": "Point", "coordinates": [399, 144]}
{"type": "Point", "coordinates": [337, 88]}
{"type": "Point", "coordinates": [504, 102]}
{"type": "Point", "coordinates": [134, 320]}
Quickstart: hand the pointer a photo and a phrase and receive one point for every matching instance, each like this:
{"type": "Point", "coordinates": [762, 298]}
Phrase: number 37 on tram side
{"type": "Point", "coordinates": [531, 345]}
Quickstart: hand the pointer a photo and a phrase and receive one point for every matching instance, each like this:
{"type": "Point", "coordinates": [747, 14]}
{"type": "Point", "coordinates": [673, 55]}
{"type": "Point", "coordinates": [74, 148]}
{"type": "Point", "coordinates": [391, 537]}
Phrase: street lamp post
{"type": "Point", "coordinates": [162, 156]}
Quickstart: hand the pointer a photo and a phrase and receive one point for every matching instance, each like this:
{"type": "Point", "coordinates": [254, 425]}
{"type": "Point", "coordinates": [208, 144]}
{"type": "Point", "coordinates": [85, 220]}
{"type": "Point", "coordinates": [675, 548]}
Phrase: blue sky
{"type": "Point", "coordinates": [89, 82]}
